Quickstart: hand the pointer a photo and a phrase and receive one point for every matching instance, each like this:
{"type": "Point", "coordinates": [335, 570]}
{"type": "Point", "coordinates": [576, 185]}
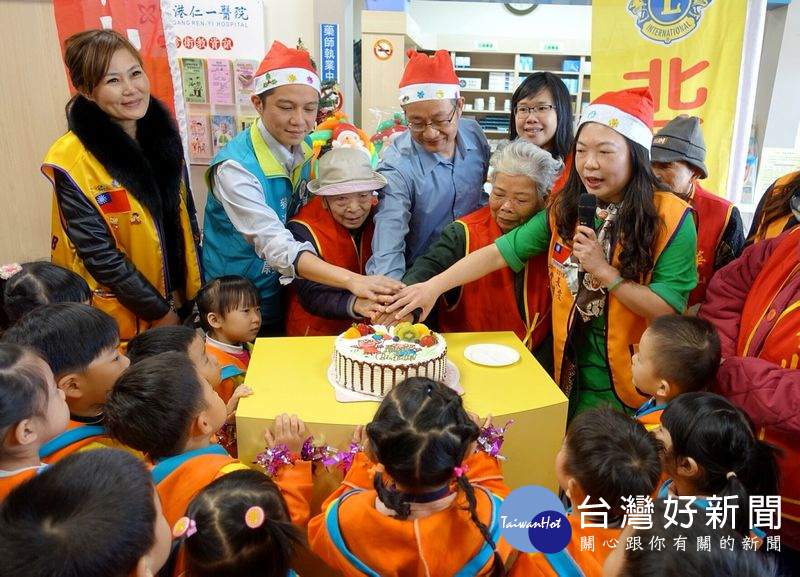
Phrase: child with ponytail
{"type": "Point", "coordinates": [427, 505]}
{"type": "Point", "coordinates": [710, 449]}
{"type": "Point", "coordinates": [239, 525]}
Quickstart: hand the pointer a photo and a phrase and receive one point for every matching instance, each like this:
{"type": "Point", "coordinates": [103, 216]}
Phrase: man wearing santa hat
{"type": "Point", "coordinates": [258, 181]}
{"type": "Point", "coordinates": [435, 170]}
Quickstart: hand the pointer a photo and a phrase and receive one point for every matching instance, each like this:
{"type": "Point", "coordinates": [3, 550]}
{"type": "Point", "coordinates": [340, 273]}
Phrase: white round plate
{"type": "Point", "coordinates": [452, 380]}
{"type": "Point", "coordinates": [491, 355]}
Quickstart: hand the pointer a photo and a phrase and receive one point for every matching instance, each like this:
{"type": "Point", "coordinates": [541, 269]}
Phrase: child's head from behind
{"type": "Point", "coordinates": [230, 309]}
{"type": "Point", "coordinates": [710, 448]}
{"type": "Point", "coordinates": [243, 528]}
{"type": "Point", "coordinates": [25, 287]}
{"type": "Point", "coordinates": [32, 407]}
{"type": "Point", "coordinates": [421, 433]}
{"type": "Point", "coordinates": [93, 514]}
{"type": "Point", "coordinates": [179, 339]}
{"type": "Point", "coordinates": [607, 454]}
{"type": "Point", "coordinates": [677, 354]}
{"type": "Point", "coordinates": [161, 404]}
{"type": "Point", "coordinates": [670, 560]}
{"type": "Point", "coordinates": [81, 345]}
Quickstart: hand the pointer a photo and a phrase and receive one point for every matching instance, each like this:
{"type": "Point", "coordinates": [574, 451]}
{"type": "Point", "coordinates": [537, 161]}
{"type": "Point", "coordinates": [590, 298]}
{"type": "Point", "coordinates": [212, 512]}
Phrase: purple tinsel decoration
{"type": "Point", "coordinates": [271, 460]}
{"type": "Point", "coordinates": [491, 439]}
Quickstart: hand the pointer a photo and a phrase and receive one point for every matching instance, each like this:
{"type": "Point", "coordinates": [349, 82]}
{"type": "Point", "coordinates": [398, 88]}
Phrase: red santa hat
{"type": "Point", "coordinates": [428, 78]}
{"type": "Point", "coordinates": [283, 65]}
{"type": "Point", "coordinates": [629, 112]}
{"type": "Point", "coordinates": [343, 127]}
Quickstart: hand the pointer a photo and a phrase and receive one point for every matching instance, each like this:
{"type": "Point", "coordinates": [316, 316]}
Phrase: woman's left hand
{"type": "Point", "coordinates": [589, 252]}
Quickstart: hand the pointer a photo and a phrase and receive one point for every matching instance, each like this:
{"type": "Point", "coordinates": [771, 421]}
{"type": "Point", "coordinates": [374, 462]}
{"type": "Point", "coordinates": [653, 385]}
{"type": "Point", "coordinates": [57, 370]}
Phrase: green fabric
{"type": "Point", "coordinates": [673, 278]}
{"type": "Point", "coordinates": [448, 249]}
{"type": "Point", "coordinates": [525, 241]}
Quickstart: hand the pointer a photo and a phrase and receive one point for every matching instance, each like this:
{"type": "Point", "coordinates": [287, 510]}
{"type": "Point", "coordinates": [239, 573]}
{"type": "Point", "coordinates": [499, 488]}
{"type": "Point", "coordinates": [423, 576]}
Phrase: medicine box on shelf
{"type": "Point", "coordinates": [470, 83]}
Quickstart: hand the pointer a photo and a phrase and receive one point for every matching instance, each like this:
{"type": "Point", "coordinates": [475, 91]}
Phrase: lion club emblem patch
{"type": "Point", "coordinates": [667, 21]}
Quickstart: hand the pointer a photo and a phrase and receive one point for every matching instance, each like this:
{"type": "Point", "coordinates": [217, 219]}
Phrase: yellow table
{"type": "Point", "coordinates": [289, 375]}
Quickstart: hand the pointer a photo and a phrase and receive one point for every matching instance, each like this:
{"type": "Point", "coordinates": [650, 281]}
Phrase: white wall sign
{"type": "Point", "coordinates": [486, 45]}
{"type": "Point", "coordinates": [218, 28]}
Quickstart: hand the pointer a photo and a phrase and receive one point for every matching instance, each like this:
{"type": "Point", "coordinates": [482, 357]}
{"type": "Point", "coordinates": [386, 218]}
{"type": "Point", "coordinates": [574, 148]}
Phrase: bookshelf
{"type": "Point", "coordinates": [488, 80]}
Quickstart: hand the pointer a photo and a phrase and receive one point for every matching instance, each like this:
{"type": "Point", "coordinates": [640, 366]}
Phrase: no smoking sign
{"type": "Point", "coordinates": [383, 49]}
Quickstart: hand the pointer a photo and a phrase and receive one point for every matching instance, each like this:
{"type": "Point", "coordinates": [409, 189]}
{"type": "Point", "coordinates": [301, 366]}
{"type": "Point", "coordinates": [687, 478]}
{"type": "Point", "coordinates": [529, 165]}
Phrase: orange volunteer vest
{"type": "Point", "coordinates": [781, 347]}
{"type": "Point", "coordinates": [479, 309]}
{"type": "Point", "coordinates": [335, 245]}
{"type": "Point", "coordinates": [711, 216]}
{"type": "Point", "coordinates": [624, 328]}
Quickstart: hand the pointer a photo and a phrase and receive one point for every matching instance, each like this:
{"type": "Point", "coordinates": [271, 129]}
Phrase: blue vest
{"type": "Point", "coordinates": [225, 250]}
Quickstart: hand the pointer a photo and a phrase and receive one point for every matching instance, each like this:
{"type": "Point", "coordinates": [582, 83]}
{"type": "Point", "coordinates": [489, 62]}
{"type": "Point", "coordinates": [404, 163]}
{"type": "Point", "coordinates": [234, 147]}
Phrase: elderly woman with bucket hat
{"type": "Point", "coordinates": [258, 181]}
{"type": "Point", "coordinates": [678, 157]}
{"type": "Point", "coordinates": [338, 224]}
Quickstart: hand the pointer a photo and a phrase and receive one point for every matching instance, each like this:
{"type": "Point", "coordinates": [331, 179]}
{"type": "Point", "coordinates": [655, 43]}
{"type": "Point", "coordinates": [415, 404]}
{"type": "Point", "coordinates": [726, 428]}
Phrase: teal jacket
{"type": "Point", "coordinates": [225, 250]}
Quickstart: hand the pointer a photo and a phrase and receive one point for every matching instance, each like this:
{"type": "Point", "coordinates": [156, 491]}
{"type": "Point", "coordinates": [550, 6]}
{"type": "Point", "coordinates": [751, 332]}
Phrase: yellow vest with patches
{"type": "Point", "coordinates": [133, 229]}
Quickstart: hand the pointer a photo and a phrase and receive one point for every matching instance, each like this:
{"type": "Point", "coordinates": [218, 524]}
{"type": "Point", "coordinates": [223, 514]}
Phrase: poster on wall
{"type": "Point", "coordinates": [688, 53]}
{"type": "Point", "coordinates": [140, 22]}
{"type": "Point", "coordinates": [218, 28]}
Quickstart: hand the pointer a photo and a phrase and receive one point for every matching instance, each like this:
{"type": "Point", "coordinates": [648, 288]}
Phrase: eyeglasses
{"type": "Point", "coordinates": [439, 125]}
{"type": "Point", "coordinates": [537, 110]}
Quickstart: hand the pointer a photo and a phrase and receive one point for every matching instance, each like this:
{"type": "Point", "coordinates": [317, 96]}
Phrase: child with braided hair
{"type": "Point", "coordinates": [430, 506]}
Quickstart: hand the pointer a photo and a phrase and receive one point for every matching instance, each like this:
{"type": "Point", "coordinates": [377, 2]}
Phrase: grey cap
{"type": "Point", "coordinates": [681, 139]}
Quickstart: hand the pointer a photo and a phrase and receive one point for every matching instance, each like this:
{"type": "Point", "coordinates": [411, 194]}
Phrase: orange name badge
{"type": "Point", "coordinates": [115, 200]}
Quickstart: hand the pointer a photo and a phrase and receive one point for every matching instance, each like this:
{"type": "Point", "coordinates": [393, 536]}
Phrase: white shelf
{"type": "Point", "coordinates": [487, 131]}
{"type": "Point", "coordinates": [486, 90]}
{"type": "Point", "coordinates": [486, 111]}
{"type": "Point", "coordinates": [504, 70]}
{"type": "Point", "coordinates": [556, 72]}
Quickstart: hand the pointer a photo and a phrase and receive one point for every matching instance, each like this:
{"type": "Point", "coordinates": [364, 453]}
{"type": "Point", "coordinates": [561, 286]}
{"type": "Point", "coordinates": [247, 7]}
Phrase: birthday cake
{"type": "Point", "coordinates": [373, 359]}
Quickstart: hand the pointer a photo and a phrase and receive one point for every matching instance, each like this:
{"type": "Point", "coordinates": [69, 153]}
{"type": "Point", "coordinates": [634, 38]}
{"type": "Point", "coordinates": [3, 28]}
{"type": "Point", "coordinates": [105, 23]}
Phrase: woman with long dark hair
{"type": "Point", "coordinates": [607, 280]}
{"type": "Point", "coordinates": [541, 113]}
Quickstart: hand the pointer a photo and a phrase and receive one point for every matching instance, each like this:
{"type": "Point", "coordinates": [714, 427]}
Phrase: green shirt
{"type": "Point", "coordinates": [673, 278]}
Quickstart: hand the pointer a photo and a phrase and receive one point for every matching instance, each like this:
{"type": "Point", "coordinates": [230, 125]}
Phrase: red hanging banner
{"type": "Point", "coordinates": [140, 21]}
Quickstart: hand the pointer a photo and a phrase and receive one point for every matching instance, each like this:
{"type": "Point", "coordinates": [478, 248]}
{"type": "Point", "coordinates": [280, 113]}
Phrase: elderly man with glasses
{"type": "Point", "coordinates": [435, 171]}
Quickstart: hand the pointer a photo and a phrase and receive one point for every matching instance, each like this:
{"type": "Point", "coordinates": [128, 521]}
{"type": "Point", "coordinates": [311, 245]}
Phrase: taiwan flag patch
{"type": "Point", "coordinates": [560, 254]}
{"type": "Point", "coordinates": [113, 201]}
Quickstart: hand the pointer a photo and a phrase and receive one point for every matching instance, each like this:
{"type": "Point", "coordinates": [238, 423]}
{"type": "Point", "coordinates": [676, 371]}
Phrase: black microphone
{"type": "Point", "coordinates": [587, 206]}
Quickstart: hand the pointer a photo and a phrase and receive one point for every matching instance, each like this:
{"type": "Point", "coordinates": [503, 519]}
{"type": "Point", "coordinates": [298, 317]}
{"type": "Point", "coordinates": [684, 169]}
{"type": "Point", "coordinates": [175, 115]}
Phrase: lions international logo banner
{"type": "Point", "coordinates": [687, 51]}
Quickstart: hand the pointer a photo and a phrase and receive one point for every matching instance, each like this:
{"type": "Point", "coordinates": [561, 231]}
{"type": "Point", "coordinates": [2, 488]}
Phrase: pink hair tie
{"type": "Point", "coordinates": [9, 270]}
{"type": "Point", "coordinates": [460, 471]}
{"type": "Point", "coordinates": [184, 527]}
{"type": "Point", "coordinates": [254, 517]}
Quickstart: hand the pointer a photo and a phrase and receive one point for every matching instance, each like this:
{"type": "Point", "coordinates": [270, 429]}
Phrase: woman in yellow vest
{"type": "Point", "coordinates": [606, 281]}
{"type": "Point", "coordinates": [778, 210]}
{"type": "Point", "coordinates": [123, 214]}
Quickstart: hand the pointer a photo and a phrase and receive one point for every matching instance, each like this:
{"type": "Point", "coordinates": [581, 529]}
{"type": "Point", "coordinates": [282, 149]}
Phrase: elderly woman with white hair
{"type": "Point", "coordinates": [521, 176]}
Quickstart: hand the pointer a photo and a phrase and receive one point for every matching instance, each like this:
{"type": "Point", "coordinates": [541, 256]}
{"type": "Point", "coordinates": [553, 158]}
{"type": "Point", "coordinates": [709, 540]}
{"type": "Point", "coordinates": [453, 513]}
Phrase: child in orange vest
{"type": "Point", "coordinates": [186, 340]}
{"type": "Point", "coordinates": [677, 354]}
{"type": "Point", "coordinates": [606, 458]}
{"type": "Point", "coordinates": [416, 512]}
{"type": "Point", "coordinates": [239, 525]}
{"type": "Point", "coordinates": [163, 407]}
{"type": "Point", "coordinates": [230, 314]}
{"type": "Point", "coordinates": [32, 411]}
{"type": "Point", "coordinates": [711, 450]}
{"type": "Point", "coordinates": [93, 514]}
{"type": "Point", "coordinates": [81, 345]}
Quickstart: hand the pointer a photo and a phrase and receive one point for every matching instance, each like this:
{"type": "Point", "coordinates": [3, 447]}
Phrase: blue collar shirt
{"type": "Point", "coordinates": [425, 193]}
